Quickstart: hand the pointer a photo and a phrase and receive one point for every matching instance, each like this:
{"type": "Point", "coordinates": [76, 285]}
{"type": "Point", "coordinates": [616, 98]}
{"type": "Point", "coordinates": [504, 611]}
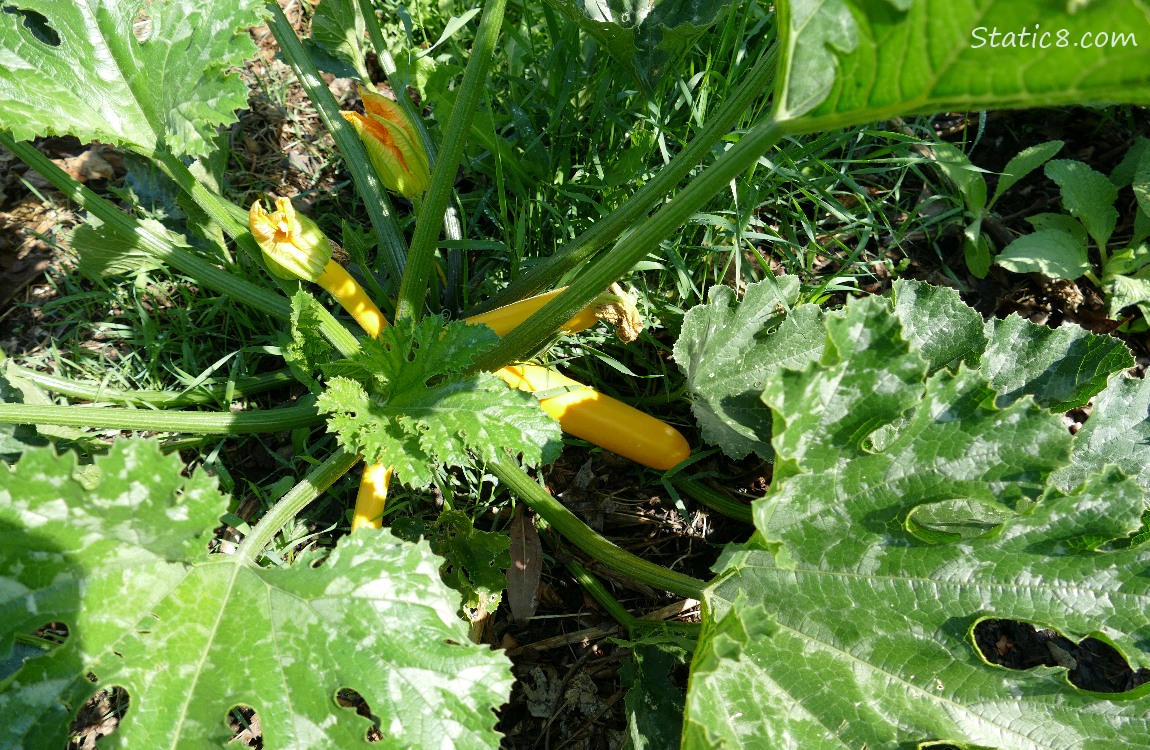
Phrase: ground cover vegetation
{"type": "Point", "coordinates": [869, 508]}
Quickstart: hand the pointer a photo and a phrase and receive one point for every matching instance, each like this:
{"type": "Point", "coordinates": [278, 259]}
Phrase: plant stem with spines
{"type": "Point", "coordinates": [150, 420]}
{"type": "Point", "coordinates": [297, 498]}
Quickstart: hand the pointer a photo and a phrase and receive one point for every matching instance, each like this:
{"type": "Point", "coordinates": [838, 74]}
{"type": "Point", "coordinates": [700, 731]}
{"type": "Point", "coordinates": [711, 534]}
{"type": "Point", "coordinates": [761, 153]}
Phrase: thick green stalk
{"type": "Point", "coordinates": [583, 537]}
{"type": "Point", "coordinates": [600, 594]}
{"type": "Point", "coordinates": [581, 249]}
{"type": "Point", "coordinates": [451, 226]}
{"type": "Point", "coordinates": [201, 423]}
{"type": "Point", "coordinates": [201, 394]}
{"type": "Point", "coordinates": [714, 499]}
{"type": "Point", "coordinates": [421, 261]}
{"type": "Point", "coordinates": [613, 265]}
{"type": "Point", "coordinates": [231, 218]}
{"type": "Point", "coordinates": [297, 498]}
{"type": "Point", "coordinates": [139, 235]}
{"type": "Point", "coordinates": [136, 234]}
{"type": "Point", "coordinates": [354, 154]}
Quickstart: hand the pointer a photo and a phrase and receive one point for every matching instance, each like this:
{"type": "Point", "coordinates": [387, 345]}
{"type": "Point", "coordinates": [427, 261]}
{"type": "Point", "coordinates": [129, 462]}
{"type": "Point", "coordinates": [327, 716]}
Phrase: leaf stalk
{"type": "Point", "coordinates": [200, 423]}
{"type": "Point", "coordinates": [586, 539]}
{"type": "Point", "coordinates": [421, 261]}
{"type": "Point", "coordinates": [297, 498]}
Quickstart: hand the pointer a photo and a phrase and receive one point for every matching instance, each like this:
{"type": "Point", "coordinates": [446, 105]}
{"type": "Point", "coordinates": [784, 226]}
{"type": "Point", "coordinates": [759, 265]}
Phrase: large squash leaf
{"type": "Point", "coordinates": [727, 350]}
{"type": "Point", "coordinates": [119, 555]}
{"type": "Point", "coordinates": [854, 61]}
{"type": "Point", "coordinates": [136, 74]}
{"type": "Point", "coordinates": [1061, 368]}
{"type": "Point", "coordinates": [842, 625]}
{"type": "Point", "coordinates": [1118, 432]}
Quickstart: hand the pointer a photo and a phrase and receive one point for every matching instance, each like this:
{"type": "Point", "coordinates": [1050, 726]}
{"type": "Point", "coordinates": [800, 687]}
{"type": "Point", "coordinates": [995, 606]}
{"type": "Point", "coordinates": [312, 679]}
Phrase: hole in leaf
{"type": "Point", "coordinates": [44, 639]}
{"type": "Point", "coordinates": [36, 23]}
{"type": "Point", "coordinates": [348, 698]}
{"type": "Point", "coordinates": [1092, 664]}
{"type": "Point", "coordinates": [142, 27]}
{"type": "Point", "coordinates": [99, 717]}
{"type": "Point", "coordinates": [245, 722]}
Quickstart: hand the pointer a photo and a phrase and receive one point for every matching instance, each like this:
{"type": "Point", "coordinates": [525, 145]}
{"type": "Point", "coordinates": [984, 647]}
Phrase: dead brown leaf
{"type": "Point", "coordinates": [526, 566]}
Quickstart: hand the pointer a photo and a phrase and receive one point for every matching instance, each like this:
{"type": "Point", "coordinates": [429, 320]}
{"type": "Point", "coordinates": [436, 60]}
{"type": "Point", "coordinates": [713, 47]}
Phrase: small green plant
{"type": "Point", "coordinates": [1060, 245]}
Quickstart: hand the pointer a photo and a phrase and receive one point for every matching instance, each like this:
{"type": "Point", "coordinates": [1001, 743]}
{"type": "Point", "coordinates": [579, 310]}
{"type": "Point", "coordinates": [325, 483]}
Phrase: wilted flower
{"type": "Point", "coordinates": [393, 145]}
{"type": "Point", "coordinates": [293, 245]}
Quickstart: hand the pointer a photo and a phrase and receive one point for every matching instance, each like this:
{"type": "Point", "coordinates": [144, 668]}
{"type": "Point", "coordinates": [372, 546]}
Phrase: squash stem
{"type": "Point", "coordinates": [297, 498]}
{"type": "Point", "coordinates": [200, 423]}
{"type": "Point", "coordinates": [585, 538]}
{"type": "Point", "coordinates": [601, 595]}
{"type": "Point", "coordinates": [213, 393]}
{"type": "Point", "coordinates": [714, 499]}
{"type": "Point", "coordinates": [421, 260]}
{"type": "Point", "coordinates": [620, 259]}
{"type": "Point", "coordinates": [584, 247]}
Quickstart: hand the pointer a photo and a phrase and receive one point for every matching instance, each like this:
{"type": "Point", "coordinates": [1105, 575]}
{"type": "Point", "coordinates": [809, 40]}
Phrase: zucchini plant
{"type": "Point", "coordinates": [923, 483]}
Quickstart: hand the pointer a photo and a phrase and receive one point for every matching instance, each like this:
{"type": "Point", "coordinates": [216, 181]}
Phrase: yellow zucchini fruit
{"type": "Point", "coordinates": [351, 296]}
{"type": "Point", "coordinates": [599, 419]}
{"type": "Point", "coordinates": [503, 319]}
{"type": "Point", "coordinates": [371, 498]}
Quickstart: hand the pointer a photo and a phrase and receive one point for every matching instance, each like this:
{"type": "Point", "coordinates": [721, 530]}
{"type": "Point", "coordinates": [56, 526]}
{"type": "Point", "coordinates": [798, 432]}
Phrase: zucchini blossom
{"type": "Point", "coordinates": [393, 145]}
{"type": "Point", "coordinates": [293, 245]}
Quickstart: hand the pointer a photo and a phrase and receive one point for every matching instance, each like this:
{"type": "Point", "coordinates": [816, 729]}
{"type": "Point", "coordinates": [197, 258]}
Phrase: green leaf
{"type": "Point", "coordinates": [1088, 195]}
{"type": "Point", "coordinates": [1061, 368]}
{"type": "Point", "coordinates": [936, 322]}
{"type": "Point", "coordinates": [1023, 163]}
{"type": "Point", "coordinates": [337, 28]}
{"type": "Point", "coordinates": [1117, 433]}
{"type": "Point", "coordinates": [847, 62]}
{"type": "Point", "coordinates": [1060, 223]}
{"type": "Point", "coordinates": [476, 561]}
{"type": "Point", "coordinates": [963, 175]}
{"type": "Point", "coordinates": [1050, 252]}
{"type": "Point", "coordinates": [1124, 291]}
{"type": "Point", "coordinates": [14, 438]}
{"type": "Point", "coordinates": [976, 250]}
{"type": "Point", "coordinates": [1124, 173]}
{"type": "Point", "coordinates": [123, 562]}
{"type": "Point", "coordinates": [95, 79]}
{"type": "Point", "coordinates": [654, 704]}
{"type": "Point", "coordinates": [841, 628]}
{"type": "Point", "coordinates": [1141, 181]}
{"type": "Point", "coordinates": [305, 351]}
{"type": "Point", "coordinates": [1126, 278]}
{"type": "Point", "coordinates": [646, 38]}
{"type": "Point", "coordinates": [726, 350]}
{"type": "Point", "coordinates": [405, 402]}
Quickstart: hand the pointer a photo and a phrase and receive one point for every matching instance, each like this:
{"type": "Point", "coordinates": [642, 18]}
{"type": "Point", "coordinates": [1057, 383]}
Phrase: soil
{"type": "Point", "coordinates": [569, 691]}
